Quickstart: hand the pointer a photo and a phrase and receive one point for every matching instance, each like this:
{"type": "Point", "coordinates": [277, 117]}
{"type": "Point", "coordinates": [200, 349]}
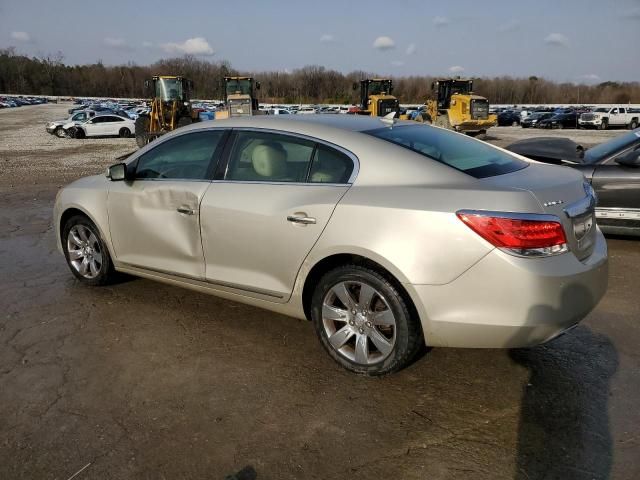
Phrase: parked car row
{"type": "Point", "coordinates": [581, 117]}
{"type": "Point", "coordinates": [12, 102]}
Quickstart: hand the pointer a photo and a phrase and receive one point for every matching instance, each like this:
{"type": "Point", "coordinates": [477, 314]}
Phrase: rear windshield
{"type": "Point", "coordinates": [465, 154]}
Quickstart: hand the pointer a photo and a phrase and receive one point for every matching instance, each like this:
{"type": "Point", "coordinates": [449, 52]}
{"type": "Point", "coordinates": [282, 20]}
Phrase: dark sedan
{"type": "Point", "coordinates": [509, 118]}
{"type": "Point", "coordinates": [612, 168]}
{"type": "Point", "coordinates": [560, 120]}
{"type": "Point", "coordinates": [533, 119]}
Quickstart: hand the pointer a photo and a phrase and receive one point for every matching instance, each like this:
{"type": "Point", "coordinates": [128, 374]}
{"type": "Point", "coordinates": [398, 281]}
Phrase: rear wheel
{"type": "Point", "coordinates": [364, 322]}
{"type": "Point", "coordinates": [124, 133]}
{"type": "Point", "coordinates": [142, 130]}
{"type": "Point", "coordinates": [86, 253]}
{"type": "Point", "coordinates": [184, 121]}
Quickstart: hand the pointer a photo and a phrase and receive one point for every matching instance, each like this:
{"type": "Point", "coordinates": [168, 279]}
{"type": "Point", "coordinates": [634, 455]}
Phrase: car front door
{"type": "Point", "coordinates": [618, 188]}
{"type": "Point", "coordinates": [268, 208]}
{"type": "Point", "coordinates": [155, 219]}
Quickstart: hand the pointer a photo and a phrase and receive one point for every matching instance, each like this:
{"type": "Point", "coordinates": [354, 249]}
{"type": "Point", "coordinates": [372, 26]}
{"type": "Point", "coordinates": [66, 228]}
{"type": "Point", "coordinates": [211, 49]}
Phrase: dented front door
{"type": "Point", "coordinates": [155, 224]}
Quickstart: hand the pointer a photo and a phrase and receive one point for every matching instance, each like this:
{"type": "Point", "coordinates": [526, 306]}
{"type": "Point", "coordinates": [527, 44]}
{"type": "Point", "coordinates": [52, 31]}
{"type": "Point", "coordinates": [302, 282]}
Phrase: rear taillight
{"type": "Point", "coordinates": [519, 234]}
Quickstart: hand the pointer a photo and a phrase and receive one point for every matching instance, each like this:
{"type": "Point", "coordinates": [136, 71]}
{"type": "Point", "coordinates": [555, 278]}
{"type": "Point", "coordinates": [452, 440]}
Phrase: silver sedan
{"type": "Point", "coordinates": [386, 235]}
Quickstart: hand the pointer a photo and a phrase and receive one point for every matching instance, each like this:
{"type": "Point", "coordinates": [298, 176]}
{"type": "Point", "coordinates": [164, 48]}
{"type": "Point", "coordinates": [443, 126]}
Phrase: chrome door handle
{"type": "Point", "coordinates": [186, 210]}
{"type": "Point", "coordinates": [301, 220]}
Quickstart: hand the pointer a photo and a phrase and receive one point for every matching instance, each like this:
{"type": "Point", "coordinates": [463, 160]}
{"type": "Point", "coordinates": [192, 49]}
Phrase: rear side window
{"type": "Point", "coordinates": [269, 157]}
{"type": "Point", "coordinates": [186, 157]}
{"type": "Point", "coordinates": [330, 166]}
{"type": "Point", "coordinates": [467, 155]}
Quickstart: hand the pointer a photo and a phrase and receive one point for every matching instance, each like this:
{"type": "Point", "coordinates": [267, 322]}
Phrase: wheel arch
{"type": "Point", "coordinates": [74, 210]}
{"type": "Point", "coordinates": [324, 265]}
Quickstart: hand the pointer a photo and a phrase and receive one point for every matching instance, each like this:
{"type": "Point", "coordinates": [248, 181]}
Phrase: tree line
{"type": "Point", "coordinates": [49, 75]}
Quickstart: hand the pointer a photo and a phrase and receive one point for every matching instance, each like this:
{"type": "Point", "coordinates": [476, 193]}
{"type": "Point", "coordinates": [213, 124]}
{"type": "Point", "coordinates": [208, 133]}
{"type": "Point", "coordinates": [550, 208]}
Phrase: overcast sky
{"type": "Point", "coordinates": [567, 40]}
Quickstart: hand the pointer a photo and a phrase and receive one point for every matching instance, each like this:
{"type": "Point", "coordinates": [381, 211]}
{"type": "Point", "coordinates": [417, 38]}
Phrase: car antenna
{"type": "Point", "coordinates": [389, 119]}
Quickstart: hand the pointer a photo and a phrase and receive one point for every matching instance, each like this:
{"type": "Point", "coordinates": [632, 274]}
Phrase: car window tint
{"type": "Point", "coordinates": [470, 156]}
{"type": "Point", "coordinates": [269, 157]}
{"type": "Point", "coordinates": [330, 166]}
{"type": "Point", "coordinates": [183, 157]}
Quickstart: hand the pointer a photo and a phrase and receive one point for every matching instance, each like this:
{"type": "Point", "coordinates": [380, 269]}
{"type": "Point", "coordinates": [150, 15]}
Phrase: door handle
{"type": "Point", "coordinates": [301, 219]}
{"type": "Point", "coordinates": [186, 210]}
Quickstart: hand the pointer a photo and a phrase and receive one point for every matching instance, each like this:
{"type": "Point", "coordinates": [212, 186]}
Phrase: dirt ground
{"type": "Point", "coordinates": [141, 380]}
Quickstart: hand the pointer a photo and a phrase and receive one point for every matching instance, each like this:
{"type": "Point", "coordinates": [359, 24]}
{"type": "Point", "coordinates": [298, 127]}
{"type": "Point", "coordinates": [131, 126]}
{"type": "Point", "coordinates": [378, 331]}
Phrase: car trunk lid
{"type": "Point", "coordinates": [561, 191]}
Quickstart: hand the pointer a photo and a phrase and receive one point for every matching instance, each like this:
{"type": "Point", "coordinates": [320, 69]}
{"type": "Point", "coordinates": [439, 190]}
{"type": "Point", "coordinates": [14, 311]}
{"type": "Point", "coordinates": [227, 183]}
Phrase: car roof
{"type": "Point", "coordinates": [354, 123]}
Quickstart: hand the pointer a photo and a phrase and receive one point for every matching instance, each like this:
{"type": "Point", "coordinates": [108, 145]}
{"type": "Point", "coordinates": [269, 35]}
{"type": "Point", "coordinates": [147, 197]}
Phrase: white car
{"type": "Point", "coordinates": [307, 111]}
{"type": "Point", "coordinates": [102, 126]}
{"type": "Point", "coordinates": [278, 111]}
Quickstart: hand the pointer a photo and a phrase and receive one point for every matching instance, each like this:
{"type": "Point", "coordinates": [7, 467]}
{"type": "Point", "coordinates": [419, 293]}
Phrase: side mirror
{"type": "Point", "coordinates": [117, 172]}
{"type": "Point", "coordinates": [257, 85]}
{"type": "Point", "coordinates": [631, 159]}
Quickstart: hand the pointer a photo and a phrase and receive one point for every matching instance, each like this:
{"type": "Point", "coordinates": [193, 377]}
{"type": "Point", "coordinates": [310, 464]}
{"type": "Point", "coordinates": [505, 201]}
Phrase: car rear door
{"type": "Point", "coordinates": [267, 209]}
{"type": "Point", "coordinates": [155, 219]}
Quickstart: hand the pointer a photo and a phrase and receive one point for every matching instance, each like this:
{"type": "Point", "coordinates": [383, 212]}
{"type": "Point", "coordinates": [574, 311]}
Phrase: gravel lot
{"type": "Point", "coordinates": [143, 380]}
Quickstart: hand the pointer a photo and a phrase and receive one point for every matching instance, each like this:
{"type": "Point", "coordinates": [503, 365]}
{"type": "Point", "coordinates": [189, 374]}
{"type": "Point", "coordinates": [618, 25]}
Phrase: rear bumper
{"type": "Point", "coordinates": [505, 301]}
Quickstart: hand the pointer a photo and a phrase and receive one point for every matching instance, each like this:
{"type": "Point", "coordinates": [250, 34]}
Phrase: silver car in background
{"type": "Point", "coordinates": [386, 235]}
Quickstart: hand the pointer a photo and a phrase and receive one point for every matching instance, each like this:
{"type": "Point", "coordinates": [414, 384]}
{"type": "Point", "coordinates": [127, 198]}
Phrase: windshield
{"type": "Point", "coordinates": [604, 150]}
{"type": "Point", "coordinates": [465, 154]}
{"type": "Point", "coordinates": [169, 89]}
{"type": "Point", "coordinates": [379, 87]}
{"type": "Point", "coordinates": [239, 87]}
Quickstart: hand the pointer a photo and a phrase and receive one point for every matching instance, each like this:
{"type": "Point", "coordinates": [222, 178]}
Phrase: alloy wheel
{"type": "Point", "coordinates": [359, 322]}
{"type": "Point", "coordinates": [85, 255]}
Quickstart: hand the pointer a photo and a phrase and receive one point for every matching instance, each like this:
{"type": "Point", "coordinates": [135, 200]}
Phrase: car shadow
{"type": "Point", "coordinates": [564, 426]}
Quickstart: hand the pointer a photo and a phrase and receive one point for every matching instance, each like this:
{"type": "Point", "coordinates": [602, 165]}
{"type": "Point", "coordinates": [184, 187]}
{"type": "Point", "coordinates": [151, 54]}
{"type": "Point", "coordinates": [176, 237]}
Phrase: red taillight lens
{"type": "Point", "coordinates": [515, 233]}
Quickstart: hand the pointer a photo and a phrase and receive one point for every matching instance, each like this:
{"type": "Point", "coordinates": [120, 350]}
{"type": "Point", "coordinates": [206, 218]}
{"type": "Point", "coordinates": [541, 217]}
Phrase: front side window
{"type": "Point", "coordinates": [185, 157]}
{"type": "Point", "coordinates": [457, 151]}
{"type": "Point", "coordinates": [269, 157]}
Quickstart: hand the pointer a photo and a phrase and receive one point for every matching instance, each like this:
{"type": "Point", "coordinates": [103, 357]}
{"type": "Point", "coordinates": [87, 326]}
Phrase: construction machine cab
{"type": "Point", "coordinates": [445, 89]}
{"type": "Point", "coordinates": [170, 107]}
{"type": "Point", "coordinates": [239, 97]}
{"type": "Point", "coordinates": [376, 97]}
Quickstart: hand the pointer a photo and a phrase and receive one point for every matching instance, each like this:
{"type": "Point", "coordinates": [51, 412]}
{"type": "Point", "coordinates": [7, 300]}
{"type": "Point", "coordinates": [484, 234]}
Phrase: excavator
{"type": "Point", "coordinates": [170, 108]}
{"type": "Point", "coordinates": [375, 97]}
{"type": "Point", "coordinates": [239, 97]}
{"type": "Point", "coordinates": [455, 107]}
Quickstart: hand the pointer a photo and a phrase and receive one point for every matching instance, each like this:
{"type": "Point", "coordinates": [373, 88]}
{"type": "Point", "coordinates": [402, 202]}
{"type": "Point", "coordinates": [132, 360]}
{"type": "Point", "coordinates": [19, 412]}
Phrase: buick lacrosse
{"type": "Point", "coordinates": [386, 235]}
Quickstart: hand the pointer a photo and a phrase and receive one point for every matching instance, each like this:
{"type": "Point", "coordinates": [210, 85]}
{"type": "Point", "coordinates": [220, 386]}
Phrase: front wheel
{"type": "Point", "coordinates": [633, 125]}
{"type": "Point", "coordinates": [85, 251]}
{"type": "Point", "coordinates": [603, 125]}
{"type": "Point", "coordinates": [364, 322]}
{"type": "Point", "coordinates": [60, 133]}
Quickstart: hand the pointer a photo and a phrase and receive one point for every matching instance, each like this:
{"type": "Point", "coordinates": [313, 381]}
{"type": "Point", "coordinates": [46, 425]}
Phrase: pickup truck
{"type": "Point", "coordinates": [605, 117]}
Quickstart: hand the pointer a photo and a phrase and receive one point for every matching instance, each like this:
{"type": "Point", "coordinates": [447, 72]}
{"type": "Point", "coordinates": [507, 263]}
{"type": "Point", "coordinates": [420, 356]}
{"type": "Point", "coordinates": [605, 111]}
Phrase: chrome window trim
{"type": "Point", "coordinates": [302, 136]}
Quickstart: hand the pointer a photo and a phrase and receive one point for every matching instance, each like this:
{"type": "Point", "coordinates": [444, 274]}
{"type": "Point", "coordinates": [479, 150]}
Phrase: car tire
{"type": "Point", "coordinates": [603, 125]}
{"type": "Point", "coordinates": [382, 337]}
{"type": "Point", "coordinates": [560, 126]}
{"type": "Point", "coordinates": [142, 125]}
{"type": "Point", "coordinates": [514, 123]}
{"type": "Point", "coordinates": [124, 133]}
{"type": "Point", "coordinates": [78, 133]}
{"type": "Point", "coordinates": [86, 252]}
{"type": "Point", "coordinates": [184, 121]}
{"type": "Point", "coordinates": [60, 133]}
{"type": "Point", "coordinates": [633, 125]}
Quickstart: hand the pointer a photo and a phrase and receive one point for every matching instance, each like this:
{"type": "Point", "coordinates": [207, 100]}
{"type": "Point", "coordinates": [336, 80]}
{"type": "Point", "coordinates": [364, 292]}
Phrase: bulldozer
{"type": "Point", "coordinates": [170, 108]}
{"type": "Point", "coordinates": [375, 97]}
{"type": "Point", "coordinates": [455, 107]}
{"type": "Point", "coordinates": [239, 97]}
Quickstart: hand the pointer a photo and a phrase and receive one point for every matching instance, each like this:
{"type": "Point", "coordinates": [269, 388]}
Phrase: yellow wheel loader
{"type": "Point", "coordinates": [170, 108]}
{"type": "Point", "coordinates": [375, 97]}
{"type": "Point", "coordinates": [239, 97]}
{"type": "Point", "coordinates": [454, 106]}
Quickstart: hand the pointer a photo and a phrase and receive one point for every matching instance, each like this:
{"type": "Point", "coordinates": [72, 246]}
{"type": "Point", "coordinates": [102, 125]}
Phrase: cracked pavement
{"type": "Point", "coordinates": [143, 380]}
